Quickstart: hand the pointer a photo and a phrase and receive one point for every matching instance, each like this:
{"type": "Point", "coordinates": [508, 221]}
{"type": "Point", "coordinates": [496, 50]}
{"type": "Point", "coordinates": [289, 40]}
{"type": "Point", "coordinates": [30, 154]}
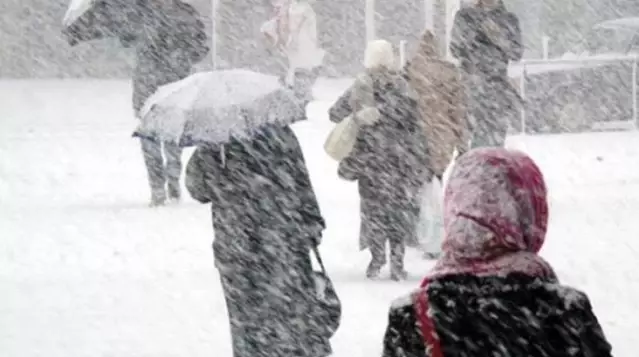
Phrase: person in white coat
{"type": "Point", "coordinates": [293, 31]}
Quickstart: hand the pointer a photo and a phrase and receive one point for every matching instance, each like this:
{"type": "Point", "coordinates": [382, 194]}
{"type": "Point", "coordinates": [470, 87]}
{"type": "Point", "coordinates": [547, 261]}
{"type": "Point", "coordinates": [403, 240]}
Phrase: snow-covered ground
{"type": "Point", "coordinates": [86, 269]}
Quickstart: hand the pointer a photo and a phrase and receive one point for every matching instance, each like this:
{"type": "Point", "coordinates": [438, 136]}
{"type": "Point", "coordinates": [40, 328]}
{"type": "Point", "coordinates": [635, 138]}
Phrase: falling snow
{"type": "Point", "coordinates": [168, 188]}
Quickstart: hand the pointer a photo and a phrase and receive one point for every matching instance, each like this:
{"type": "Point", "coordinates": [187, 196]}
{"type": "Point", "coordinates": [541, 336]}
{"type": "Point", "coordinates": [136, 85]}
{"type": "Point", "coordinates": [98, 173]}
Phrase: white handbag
{"type": "Point", "coordinates": [341, 140]}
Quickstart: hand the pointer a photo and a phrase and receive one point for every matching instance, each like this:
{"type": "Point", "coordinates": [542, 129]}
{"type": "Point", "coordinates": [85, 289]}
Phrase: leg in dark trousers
{"type": "Point", "coordinates": [399, 227]}
{"type": "Point", "coordinates": [372, 236]}
{"type": "Point", "coordinates": [152, 152]}
{"type": "Point", "coordinates": [173, 155]}
{"type": "Point", "coordinates": [377, 246]}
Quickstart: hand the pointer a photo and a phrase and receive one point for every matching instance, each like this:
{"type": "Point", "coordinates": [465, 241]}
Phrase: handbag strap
{"type": "Point", "coordinates": [318, 257]}
{"type": "Point", "coordinates": [427, 325]}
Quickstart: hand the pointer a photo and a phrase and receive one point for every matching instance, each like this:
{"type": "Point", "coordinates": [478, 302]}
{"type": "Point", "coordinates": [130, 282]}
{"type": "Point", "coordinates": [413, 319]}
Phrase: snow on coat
{"type": "Point", "coordinates": [389, 159]}
{"type": "Point", "coordinates": [261, 197]}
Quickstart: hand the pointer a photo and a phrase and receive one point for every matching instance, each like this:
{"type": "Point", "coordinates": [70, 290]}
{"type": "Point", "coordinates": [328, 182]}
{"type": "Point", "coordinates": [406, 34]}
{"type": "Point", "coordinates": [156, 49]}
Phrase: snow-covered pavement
{"type": "Point", "coordinates": [86, 269]}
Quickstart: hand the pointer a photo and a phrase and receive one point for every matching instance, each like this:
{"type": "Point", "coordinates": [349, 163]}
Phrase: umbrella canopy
{"type": "Point", "coordinates": [87, 20]}
{"type": "Point", "coordinates": [214, 107]}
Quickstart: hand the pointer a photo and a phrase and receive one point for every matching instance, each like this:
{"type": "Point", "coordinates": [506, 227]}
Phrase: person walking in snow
{"type": "Point", "coordinates": [389, 160]}
{"type": "Point", "coordinates": [266, 220]}
{"type": "Point", "coordinates": [490, 293]}
{"type": "Point", "coordinates": [293, 32]}
{"type": "Point", "coordinates": [440, 97]}
{"type": "Point", "coordinates": [485, 38]}
{"type": "Point", "coordinates": [441, 102]}
{"type": "Point", "coordinates": [171, 41]}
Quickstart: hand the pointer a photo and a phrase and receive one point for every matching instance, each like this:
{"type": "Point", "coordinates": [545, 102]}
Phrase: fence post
{"type": "Point", "coordinates": [370, 20]}
{"type": "Point", "coordinates": [429, 15]}
{"type": "Point", "coordinates": [634, 91]}
{"type": "Point", "coordinates": [214, 33]}
{"type": "Point", "coordinates": [522, 93]}
{"type": "Point", "coordinates": [545, 43]}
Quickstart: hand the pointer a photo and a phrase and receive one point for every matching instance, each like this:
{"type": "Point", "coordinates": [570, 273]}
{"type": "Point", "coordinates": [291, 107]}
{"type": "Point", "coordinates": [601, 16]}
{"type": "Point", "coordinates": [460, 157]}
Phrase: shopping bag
{"type": "Point", "coordinates": [430, 226]}
{"type": "Point", "coordinates": [431, 217]}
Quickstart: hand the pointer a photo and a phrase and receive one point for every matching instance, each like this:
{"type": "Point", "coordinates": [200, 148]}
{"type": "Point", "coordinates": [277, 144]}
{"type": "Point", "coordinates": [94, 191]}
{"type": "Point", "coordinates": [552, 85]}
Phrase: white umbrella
{"type": "Point", "coordinates": [76, 9]}
{"type": "Point", "coordinates": [213, 107]}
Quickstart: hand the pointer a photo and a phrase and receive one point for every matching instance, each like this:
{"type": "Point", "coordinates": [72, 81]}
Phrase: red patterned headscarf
{"type": "Point", "coordinates": [495, 216]}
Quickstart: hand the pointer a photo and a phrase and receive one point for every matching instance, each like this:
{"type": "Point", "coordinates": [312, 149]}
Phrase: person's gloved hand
{"type": "Point", "coordinates": [367, 116]}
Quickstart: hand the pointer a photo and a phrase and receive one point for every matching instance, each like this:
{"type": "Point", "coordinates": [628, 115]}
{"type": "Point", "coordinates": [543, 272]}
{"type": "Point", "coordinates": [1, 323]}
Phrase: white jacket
{"type": "Point", "coordinates": [299, 42]}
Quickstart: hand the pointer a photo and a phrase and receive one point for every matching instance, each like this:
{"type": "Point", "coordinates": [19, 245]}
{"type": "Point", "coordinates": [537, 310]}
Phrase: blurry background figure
{"type": "Point", "coordinates": [293, 32]}
{"type": "Point", "coordinates": [389, 160]}
{"type": "Point", "coordinates": [169, 38]}
{"type": "Point", "coordinates": [440, 97]}
{"type": "Point", "coordinates": [485, 38]}
{"type": "Point", "coordinates": [170, 41]}
{"type": "Point", "coordinates": [266, 221]}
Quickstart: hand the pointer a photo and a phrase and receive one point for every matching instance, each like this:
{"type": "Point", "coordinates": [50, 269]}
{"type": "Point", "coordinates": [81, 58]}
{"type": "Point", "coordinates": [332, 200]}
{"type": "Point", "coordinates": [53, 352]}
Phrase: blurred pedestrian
{"type": "Point", "coordinates": [486, 37]}
{"type": "Point", "coordinates": [389, 160]}
{"type": "Point", "coordinates": [169, 42]}
{"type": "Point", "coordinates": [266, 221]}
{"type": "Point", "coordinates": [293, 32]}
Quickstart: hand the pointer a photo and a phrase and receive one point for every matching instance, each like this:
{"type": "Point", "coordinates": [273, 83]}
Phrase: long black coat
{"type": "Point", "coordinates": [168, 44]}
{"type": "Point", "coordinates": [262, 200]}
{"type": "Point", "coordinates": [512, 316]}
{"type": "Point", "coordinates": [266, 219]}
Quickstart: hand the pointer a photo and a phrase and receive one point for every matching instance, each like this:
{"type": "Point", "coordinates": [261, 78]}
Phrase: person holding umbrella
{"type": "Point", "coordinates": [266, 220]}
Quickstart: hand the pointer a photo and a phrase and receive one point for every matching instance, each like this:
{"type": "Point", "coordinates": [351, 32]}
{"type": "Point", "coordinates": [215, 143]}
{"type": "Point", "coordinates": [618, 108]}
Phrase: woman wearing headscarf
{"type": "Point", "coordinates": [486, 37]}
{"type": "Point", "coordinates": [491, 294]}
{"type": "Point", "coordinates": [266, 221]}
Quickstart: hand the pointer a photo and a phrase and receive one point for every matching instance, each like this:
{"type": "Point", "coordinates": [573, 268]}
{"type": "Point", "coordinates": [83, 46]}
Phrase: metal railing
{"type": "Point", "coordinates": [521, 70]}
{"type": "Point", "coordinates": [524, 68]}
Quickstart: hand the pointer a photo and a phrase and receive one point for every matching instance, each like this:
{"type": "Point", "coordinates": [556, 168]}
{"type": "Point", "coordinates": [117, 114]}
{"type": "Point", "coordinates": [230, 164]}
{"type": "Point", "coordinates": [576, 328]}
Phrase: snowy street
{"type": "Point", "coordinates": [87, 269]}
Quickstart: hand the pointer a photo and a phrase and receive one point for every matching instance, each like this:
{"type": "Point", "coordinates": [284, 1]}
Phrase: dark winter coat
{"type": "Point", "coordinates": [390, 159]}
{"type": "Point", "coordinates": [166, 47]}
{"type": "Point", "coordinates": [516, 315]}
{"type": "Point", "coordinates": [486, 40]}
{"type": "Point", "coordinates": [266, 220]}
{"type": "Point", "coordinates": [262, 200]}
